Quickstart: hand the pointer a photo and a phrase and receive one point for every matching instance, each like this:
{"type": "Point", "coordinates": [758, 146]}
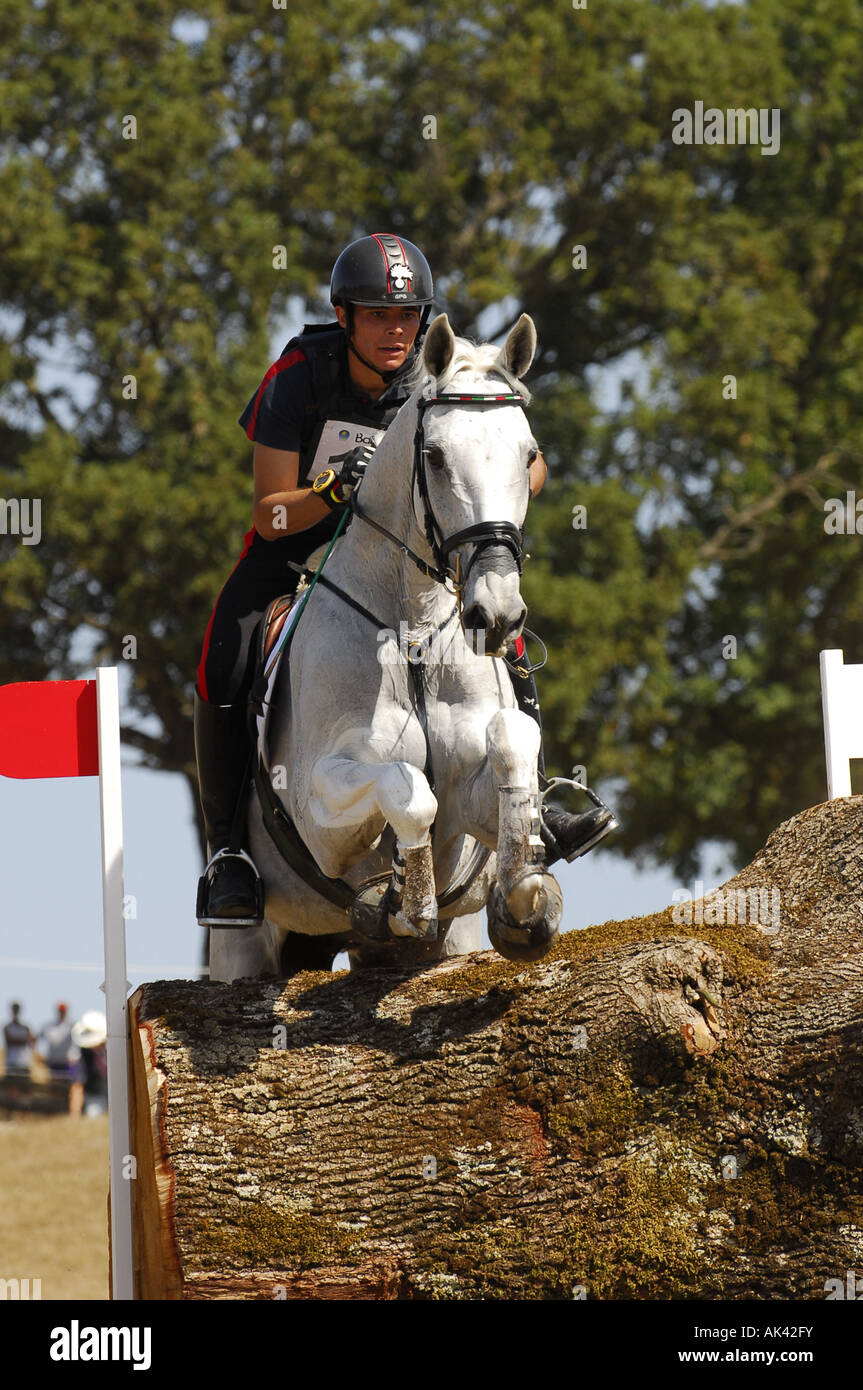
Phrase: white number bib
{"type": "Point", "coordinates": [338, 437]}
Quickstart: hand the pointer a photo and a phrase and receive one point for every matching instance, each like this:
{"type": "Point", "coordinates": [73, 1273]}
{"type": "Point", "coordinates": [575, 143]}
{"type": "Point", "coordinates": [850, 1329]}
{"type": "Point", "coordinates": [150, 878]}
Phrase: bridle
{"type": "Point", "coordinates": [482, 533]}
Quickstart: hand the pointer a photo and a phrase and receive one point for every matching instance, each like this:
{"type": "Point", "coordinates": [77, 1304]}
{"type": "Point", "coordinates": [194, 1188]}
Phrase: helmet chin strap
{"type": "Point", "coordinates": [386, 377]}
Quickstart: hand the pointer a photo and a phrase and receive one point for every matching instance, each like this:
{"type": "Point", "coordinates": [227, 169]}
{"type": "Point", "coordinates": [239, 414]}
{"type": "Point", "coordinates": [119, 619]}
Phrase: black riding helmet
{"type": "Point", "coordinates": [382, 271]}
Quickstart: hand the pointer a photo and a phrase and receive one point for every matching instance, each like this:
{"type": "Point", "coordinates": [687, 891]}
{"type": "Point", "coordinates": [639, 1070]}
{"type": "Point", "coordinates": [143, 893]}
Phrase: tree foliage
{"type": "Point", "coordinates": [500, 137]}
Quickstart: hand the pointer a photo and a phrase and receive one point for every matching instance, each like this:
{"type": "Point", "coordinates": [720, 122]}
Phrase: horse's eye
{"type": "Point", "coordinates": [434, 456]}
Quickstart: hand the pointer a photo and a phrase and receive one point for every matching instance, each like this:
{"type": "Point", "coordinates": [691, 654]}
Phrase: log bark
{"type": "Point", "coordinates": [659, 1109]}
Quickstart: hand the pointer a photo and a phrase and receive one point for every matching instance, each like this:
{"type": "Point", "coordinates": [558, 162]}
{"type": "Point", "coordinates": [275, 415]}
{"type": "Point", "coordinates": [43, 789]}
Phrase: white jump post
{"type": "Point", "coordinates": [116, 985]}
{"type": "Point", "coordinates": [842, 703]}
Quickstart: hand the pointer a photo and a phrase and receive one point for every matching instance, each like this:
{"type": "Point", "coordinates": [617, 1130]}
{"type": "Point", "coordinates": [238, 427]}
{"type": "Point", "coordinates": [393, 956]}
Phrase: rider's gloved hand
{"type": "Point", "coordinates": [353, 468]}
{"type": "Point", "coordinates": [345, 473]}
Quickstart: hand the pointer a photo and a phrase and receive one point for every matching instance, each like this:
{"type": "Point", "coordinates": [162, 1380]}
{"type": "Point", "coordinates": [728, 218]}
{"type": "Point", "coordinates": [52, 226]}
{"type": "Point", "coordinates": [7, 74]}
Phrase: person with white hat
{"type": "Point", "coordinates": [90, 1091]}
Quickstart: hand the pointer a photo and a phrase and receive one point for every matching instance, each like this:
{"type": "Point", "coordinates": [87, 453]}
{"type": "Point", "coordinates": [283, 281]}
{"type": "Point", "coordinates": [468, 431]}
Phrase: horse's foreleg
{"type": "Point", "coordinates": [362, 797]}
{"type": "Point", "coordinates": [525, 906]}
{"type": "Point", "coordinates": [237, 953]}
{"type": "Point", "coordinates": [512, 743]}
{"type": "Point", "coordinates": [409, 805]}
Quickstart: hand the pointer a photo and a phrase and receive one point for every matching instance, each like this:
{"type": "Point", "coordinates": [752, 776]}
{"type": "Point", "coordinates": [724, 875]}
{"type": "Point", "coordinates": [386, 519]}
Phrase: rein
{"type": "Point", "coordinates": [483, 533]}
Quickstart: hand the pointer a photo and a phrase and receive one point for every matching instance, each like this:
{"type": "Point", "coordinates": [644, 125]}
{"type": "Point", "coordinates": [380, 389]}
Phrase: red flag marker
{"type": "Point", "coordinates": [49, 729]}
{"type": "Point", "coordinates": [72, 729]}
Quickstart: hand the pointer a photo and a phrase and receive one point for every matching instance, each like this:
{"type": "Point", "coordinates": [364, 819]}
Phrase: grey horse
{"type": "Point", "coordinates": [370, 764]}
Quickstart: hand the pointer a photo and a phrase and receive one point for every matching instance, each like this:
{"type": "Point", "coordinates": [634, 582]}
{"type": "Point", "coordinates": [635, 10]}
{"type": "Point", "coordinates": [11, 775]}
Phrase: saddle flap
{"type": "Point", "coordinates": [273, 622]}
{"type": "Point", "coordinates": [273, 636]}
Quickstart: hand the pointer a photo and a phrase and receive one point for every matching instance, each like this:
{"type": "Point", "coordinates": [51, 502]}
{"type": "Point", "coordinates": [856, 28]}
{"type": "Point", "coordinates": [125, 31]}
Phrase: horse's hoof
{"type": "Point", "coordinates": [369, 916]}
{"type": "Point", "coordinates": [526, 899]}
{"type": "Point", "coordinates": [423, 929]}
{"type": "Point", "coordinates": [525, 941]}
{"type": "Point", "coordinates": [374, 921]}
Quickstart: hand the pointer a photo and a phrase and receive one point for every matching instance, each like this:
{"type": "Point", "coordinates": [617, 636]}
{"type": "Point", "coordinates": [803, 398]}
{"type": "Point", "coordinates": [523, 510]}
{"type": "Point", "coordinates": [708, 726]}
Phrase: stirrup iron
{"type": "Point", "coordinates": [613, 824]}
{"type": "Point", "coordinates": [205, 881]}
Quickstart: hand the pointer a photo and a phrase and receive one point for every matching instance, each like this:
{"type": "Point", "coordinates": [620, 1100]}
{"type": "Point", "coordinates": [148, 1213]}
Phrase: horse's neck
{"type": "Point", "coordinates": [378, 569]}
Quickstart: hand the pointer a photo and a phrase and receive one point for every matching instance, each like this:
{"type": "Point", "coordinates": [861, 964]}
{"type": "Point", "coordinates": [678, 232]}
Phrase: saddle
{"type": "Point", "coordinates": [270, 643]}
{"type": "Point", "coordinates": [269, 650]}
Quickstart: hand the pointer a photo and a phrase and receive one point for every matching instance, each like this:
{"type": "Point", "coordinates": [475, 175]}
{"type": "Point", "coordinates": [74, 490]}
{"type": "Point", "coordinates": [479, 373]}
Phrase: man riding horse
{"type": "Point", "coordinates": [316, 416]}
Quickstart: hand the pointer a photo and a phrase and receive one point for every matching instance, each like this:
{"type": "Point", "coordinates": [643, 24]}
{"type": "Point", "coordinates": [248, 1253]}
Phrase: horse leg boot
{"type": "Point", "coordinates": [525, 905]}
{"type": "Point", "coordinates": [564, 835]}
{"type": "Point", "coordinates": [407, 905]}
{"type": "Point", "coordinates": [230, 892]}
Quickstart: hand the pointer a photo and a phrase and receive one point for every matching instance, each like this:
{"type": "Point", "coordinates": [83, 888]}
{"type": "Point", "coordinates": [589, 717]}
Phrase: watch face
{"type": "Point", "coordinates": [324, 480]}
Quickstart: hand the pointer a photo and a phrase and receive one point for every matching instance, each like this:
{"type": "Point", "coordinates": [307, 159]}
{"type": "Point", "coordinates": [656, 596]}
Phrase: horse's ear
{"type": "Point", "coordinates": [439, 346]}
{"type": "Point", "coordinates": [519, 349]}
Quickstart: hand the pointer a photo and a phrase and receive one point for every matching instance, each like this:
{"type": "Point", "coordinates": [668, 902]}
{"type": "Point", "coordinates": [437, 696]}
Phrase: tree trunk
{"type": "Point", "coordinates": [656, 1110]}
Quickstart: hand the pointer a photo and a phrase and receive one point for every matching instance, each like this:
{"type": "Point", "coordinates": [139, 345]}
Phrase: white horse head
{"type": "Point", "coordinates": [477, 456]}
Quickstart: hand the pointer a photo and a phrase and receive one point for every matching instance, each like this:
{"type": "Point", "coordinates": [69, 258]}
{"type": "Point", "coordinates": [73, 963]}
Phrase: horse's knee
{"type": "Point", "coordinates": [512, 742]}
{"type": "Point", "coordinates": [407, 801]}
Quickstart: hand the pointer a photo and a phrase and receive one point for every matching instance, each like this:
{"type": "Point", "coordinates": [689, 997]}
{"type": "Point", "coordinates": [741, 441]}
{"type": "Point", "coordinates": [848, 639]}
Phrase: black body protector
{"type": "Point", "coordinates": [337, 419]}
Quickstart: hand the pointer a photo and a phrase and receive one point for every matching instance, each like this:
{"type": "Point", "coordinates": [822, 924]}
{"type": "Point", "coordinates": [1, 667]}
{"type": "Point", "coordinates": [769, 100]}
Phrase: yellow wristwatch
{"type": "Point", "coordinates": [323, 487]}
{"type": "Point", "coordinates": [324, 480]}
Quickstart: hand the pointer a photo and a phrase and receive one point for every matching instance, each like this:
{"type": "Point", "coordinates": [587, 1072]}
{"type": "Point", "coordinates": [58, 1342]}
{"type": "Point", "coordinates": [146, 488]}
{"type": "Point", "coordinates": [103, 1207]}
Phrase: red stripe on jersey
{"type": "Point", "coordinates": [202, 667]}
{"type": "Point", "coordinates": [282, 365]}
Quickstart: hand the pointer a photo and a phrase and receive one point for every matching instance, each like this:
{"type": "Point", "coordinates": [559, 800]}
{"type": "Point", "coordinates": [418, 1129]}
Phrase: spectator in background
{"type": "Point", "coordinates": [57, 1050]}
{"type": "Point", "coordinates": [18, 1041]}
{"type": "Point", "coordinates": [89, 1095]}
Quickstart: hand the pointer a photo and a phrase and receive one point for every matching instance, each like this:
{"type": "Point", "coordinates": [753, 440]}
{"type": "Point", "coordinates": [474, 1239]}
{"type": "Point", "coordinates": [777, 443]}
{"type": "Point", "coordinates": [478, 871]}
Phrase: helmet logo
{"type": "Point", "coordinates": [401, 276]}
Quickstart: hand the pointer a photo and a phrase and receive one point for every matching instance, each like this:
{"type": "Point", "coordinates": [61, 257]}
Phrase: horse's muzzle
{"type": "Point", "coordinates": [499, 630]}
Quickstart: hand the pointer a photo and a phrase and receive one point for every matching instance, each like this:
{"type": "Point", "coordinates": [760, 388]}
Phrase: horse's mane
{"type": "Point", "coordinates": [482, 359]}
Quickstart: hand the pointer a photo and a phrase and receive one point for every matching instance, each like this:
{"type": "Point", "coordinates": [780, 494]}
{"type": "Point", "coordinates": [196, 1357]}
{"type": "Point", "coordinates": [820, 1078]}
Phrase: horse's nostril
{"type": "Point", "coordinates": [475, 618]}
{"type": "Point", "coordinates": [516, 627]}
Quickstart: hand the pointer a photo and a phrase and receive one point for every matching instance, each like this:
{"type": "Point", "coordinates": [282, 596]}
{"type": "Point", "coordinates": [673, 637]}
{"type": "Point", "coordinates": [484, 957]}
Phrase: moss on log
{"type": "Point", "coordinates": [656, 1110]}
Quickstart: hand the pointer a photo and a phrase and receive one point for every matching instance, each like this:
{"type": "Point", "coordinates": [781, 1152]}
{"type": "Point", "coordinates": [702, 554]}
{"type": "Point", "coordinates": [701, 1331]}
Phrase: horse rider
{"type": "Point", "coordinates": [333, 391]}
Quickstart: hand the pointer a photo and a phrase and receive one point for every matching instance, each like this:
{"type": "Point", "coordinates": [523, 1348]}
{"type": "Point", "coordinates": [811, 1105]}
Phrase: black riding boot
{"type": "Point", "coordinates": [564, 835]}
{"type": "Point", "coordinates": [230, 891]}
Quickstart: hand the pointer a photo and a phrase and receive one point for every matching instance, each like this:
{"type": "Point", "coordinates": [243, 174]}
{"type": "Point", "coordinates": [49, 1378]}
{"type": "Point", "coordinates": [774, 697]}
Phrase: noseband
{"type": "Point", "coordinates": [482, 534]}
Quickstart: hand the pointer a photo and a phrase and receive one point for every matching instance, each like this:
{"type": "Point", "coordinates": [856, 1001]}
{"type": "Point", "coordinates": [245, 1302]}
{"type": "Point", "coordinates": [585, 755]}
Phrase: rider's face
{"type": "Point", "coordinates": [383, 336]}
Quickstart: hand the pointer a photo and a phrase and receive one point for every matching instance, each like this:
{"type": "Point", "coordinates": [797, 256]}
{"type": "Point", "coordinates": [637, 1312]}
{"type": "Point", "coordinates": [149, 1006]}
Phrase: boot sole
{"type": "Point", "coordinates": [594, 840]}
{"type": "Point", "coordinates": [230, 921]}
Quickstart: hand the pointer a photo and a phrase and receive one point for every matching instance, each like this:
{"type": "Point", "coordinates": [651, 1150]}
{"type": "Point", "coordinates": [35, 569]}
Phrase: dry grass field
{"type": "Point", "coordinates": [54, 1204]}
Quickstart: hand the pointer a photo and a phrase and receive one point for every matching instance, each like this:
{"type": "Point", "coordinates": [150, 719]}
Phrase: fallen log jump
{"type": "Point", "coordinates": [661, 1108]}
